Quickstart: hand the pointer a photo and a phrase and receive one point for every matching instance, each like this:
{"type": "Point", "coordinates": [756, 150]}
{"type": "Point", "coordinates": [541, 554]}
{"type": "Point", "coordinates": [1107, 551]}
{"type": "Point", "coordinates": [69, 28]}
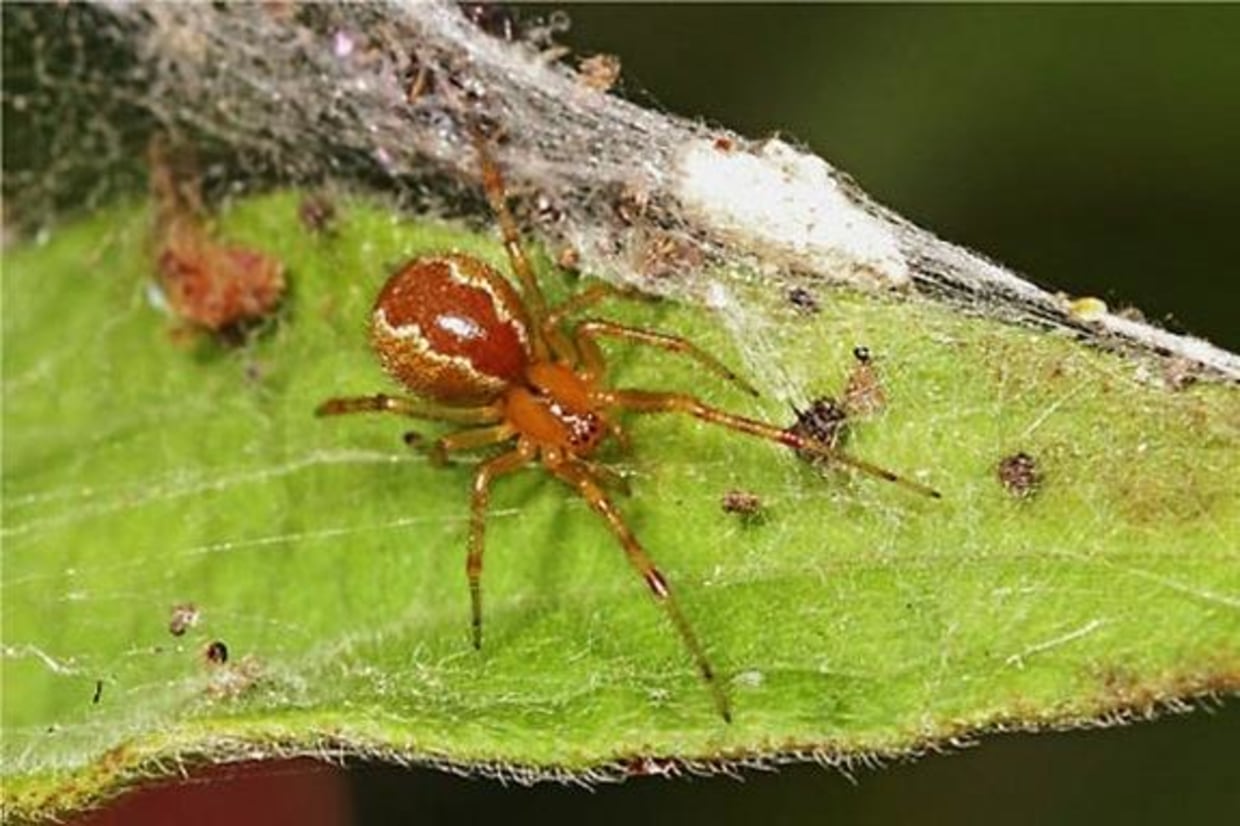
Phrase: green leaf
{"type": "Point", "coordinates": [145, 470]}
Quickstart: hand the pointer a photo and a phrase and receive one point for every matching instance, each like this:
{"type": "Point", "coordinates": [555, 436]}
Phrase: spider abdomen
{"type": "Point", "coordinates": [451, 328]}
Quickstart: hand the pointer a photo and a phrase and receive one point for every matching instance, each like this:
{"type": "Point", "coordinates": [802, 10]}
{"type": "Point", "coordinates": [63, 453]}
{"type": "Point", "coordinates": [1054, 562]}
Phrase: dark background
{"type": "Point", "coordinates": [1093, 148]}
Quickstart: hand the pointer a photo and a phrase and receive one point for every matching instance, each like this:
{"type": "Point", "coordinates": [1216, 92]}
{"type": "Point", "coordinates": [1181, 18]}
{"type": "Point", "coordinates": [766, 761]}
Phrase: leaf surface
{"type": "Point", "coordinates": [144, 470]}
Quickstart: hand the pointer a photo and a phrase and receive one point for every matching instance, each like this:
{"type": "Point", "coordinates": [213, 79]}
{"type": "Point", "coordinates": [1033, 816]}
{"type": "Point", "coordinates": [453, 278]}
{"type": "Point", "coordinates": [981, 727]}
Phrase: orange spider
{"type": "Point", "coordinates": [480, 353]}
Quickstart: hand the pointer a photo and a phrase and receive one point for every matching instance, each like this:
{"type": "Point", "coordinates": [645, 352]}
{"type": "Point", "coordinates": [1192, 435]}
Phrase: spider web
{"type": "Point", "coordinates": [275, 94]}
{"type": "Point", "coordinates": [285, 94]}
{"type": "Point", "coordinates": [379, 95]}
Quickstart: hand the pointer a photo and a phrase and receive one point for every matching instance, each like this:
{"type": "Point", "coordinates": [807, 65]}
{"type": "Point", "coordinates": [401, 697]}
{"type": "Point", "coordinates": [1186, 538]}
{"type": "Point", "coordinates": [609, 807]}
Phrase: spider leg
{"type": "Point", "coordinates": [621, 436]}
{"type": "Point", "coordinates": [471, 439]}
{"type": "Point", "coordinates": [640, 401]}
{"type": "Point", "coordinates": [593, 365]}
{"type": "Point", "coordinates": [608, 476]}
{"type": "Point", "coordinates": [483, 477]}
{"type": "Point", "coordinates": [588, 297]}
{"type": "Point", "coordinates": [565, 347]}
{"type": "Point", "coordinates": [593, 328]}
{"type": "Point", "coordinates": [561, 346]}
{"type": "Point", "coordinates": [580, 478]}
{"type": "Point", "coordinates": [493, 183]}
{"type": "Point", "coordinates": [401, 406]}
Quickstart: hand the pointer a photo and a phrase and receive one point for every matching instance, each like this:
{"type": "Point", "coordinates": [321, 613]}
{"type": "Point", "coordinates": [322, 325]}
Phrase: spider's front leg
{"type": "Point", "coordinates": [642, 401]}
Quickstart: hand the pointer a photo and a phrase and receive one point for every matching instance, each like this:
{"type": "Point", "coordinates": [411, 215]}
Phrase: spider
{"type": "Point", "coordinates": [476, 351]}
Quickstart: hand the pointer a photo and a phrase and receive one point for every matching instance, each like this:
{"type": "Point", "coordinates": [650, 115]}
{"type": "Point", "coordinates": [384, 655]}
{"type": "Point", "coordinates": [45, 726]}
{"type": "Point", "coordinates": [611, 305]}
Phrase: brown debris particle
{"type": "Point", "coordinates": [803, 300]}
{"type": "Point", "coordinates": [568, 258]}
{"type": "Point", "coordinates": [599, 72]}
{"type": "Point", "coordinates": [666, 255]}
{"type": "Point", "coordinates": [217, 287]}
{"type": "Point", "coordinates": [652, 767]}
{"type": "Point", "coordinates": [216, 653]}
{"type": "Point", "coordinates": [317, 213]}
{"type": "Point", "coordinates": [184, 617]}
{"type": "Point", "coordinates": [825, 421]}
{"type": "Point", "coordinates": [1019, 475]}
{"type": "Point", "coordinates": [742, 502]}
{"type": "Point", "coordinates": [1179, 373]}
{"type": "Point", "coordinates": [630, 204]}
{"type": "Point", "coordinates": [495, 19]}
{"type": "Point", "coordinates": [232, 681]}
{"type": "Point", "coordinates": [546, 210]}
{"type": "Point", "coordinates": [420, 78]}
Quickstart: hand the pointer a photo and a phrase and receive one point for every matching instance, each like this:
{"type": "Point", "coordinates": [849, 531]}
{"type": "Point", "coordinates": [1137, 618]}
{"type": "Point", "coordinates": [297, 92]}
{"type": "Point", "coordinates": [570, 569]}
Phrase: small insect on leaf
{"type": "Point", "coordinates": [864, 394]}
{"type": "Point", "coordinates": [744, 504]}
{"type": "Point", "coordinates": [741, 501]}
